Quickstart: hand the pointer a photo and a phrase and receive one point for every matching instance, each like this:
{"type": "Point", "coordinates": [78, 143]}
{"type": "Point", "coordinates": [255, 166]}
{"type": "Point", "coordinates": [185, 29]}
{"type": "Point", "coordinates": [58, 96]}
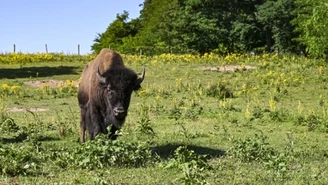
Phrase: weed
{"type": "Point", "coordinates": [188, 111]}
{"type": "Point", "coordinates": [175, 113]}
{"type": "Point", "coordinates": [8, 126]}
{"type": "Point", "coordinates": [252, 149]}
{"type": "Point", "coordinates": [220, 91]}
{"type": "Point", "coordinates": [35, 129]}
{"type": "Point", "coordinates": [65, 127]}
{"type": "Point", "coordinates": [100, 179]}
{"type": "Point", "coordinates": [257, 149]}
{"type": "Point", "coordinates": [279, 115]}
{"type": "Point", "coordinates": [144, 123]}
{"type": "Point", "coordinates": [191, 164]}
{"type": "Point", "coordinates": [61, 157]}
{"type": "Point", "coordinates": [194, 111]}
{"type": "Point", "coordinates": [101, 153]}
{"type": "Point", "coordinates": [184, 132]}
{"type": "Point", "coordinates": [257, 112]}
{"type": "Point", "coordinates": [19, 160]}
{"type": "Point", "coordinates": [313, 122]}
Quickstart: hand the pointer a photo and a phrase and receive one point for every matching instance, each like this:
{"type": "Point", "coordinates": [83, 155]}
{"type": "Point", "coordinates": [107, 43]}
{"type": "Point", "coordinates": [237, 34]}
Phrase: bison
{"type": "Point", "coordinates": [104, 94]}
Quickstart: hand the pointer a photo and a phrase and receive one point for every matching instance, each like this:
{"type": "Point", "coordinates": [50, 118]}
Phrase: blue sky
{"type": "Point", "coordinates": [61, 24]}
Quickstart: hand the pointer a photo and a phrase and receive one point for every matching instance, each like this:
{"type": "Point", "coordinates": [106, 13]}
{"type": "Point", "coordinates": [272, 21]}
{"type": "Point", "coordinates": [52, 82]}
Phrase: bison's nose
{"type": "Point", "coordinates": [119, 112]}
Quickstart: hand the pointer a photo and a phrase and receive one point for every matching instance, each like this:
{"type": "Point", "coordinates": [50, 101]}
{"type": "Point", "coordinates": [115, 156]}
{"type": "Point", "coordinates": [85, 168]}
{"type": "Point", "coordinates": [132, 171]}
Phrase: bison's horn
{"type": "Point", "coordinates": [139, 80]}
{"type": "Point", "coordinates": [100, 78]}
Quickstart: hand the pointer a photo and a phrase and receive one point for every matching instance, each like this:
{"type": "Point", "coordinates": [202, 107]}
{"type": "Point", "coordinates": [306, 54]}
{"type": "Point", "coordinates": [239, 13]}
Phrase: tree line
{"type": "Point", "coordinates": [221, 26]}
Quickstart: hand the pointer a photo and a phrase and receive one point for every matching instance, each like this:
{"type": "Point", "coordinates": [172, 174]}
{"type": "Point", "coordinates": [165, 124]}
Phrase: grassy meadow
{"type": "Point", "coordinates": [191, 123]}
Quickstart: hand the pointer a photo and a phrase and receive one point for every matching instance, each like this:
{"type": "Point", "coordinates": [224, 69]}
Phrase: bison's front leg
{"type": "Point", "coordinates": [93, 126]}
{"type": "Point", "coordinates": [113, 134]}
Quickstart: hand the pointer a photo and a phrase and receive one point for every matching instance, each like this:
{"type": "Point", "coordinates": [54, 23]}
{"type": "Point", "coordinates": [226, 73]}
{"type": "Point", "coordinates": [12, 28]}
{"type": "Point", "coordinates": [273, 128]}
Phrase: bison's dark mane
{"type": "Point", "coordinates": [120, 77]}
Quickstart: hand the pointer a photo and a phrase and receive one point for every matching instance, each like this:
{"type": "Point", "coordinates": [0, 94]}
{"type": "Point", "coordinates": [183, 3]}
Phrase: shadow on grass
{"type": "Point", "coordinates": [165, 151]}
{"type": "Point", "coordinates": [22, 137]}
{"type": "Point", "coordinates": [26, 72]}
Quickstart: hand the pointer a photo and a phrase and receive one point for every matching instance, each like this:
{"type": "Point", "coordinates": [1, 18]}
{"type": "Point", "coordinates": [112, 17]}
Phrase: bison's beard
{"type": "Point", "coordinates": [112, 120]}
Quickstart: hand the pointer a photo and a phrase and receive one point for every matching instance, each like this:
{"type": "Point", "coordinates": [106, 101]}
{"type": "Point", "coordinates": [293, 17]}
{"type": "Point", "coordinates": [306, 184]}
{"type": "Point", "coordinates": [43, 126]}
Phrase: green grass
{"type": "Point", "coordinates": [271, 129]}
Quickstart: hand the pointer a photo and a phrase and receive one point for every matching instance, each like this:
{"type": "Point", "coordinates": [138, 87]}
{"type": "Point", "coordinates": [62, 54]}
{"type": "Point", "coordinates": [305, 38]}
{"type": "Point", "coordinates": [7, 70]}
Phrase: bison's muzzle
{"type": "Point", "coordinates": [119, 112]}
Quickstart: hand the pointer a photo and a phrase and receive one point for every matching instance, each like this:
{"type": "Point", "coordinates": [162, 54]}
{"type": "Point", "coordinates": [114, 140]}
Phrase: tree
{"type": "Point", "coordinates": [156, 19]}
{"type": "Point", "coordinates": [276, 17]}
{"type": "Point", "coordinates": [312, 23]}
{"type": "Point", "coordinates": [116, 32]}
{"type": "Point", "coordinates": [193, 30]}
{"type": "Point", "coordinates": [222, 26]}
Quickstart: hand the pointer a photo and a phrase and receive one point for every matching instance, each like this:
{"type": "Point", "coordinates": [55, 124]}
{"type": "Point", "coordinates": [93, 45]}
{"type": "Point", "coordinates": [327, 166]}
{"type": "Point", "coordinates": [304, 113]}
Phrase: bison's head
{"type": "Point", "coordinates": [118, 85]}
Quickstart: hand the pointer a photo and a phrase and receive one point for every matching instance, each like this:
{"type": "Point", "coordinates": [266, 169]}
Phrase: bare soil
{"type": "Point", "coordinates": [37, 83]}
{"type": "Point", "coordinates": [51, 83]}
{"type": "Point", "coordinates": [16, 109]}
{"type": "Point", "coordinates": [227, 68]}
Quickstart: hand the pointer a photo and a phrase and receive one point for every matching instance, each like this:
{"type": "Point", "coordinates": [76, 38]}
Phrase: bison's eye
{"type": "Point", "coordinates": [103, 85]}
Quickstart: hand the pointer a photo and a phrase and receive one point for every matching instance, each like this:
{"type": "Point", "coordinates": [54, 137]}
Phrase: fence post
{"type": "Point", "coordinates": [14, 48]}
{"type": "Point", "coordinates": [46, 48]}
{"type": "Point", "coordinates": [78, 49]}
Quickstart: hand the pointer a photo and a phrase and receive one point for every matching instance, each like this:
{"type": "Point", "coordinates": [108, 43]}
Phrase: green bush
{"type": "Point", "coordinates": [101, 152]}
{"type": "Point", "coordinates": [19, 160]}
{"type": "Point", "coordinates": [191, 164]}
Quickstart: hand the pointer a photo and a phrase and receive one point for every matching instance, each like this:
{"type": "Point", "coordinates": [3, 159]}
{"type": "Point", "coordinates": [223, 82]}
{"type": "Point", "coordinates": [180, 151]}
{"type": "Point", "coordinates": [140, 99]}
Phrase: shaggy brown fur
{"type": "Point", "coordinates": [104, 94]}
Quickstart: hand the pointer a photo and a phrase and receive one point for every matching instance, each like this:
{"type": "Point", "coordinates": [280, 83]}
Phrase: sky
{"type": "Point", "coordinates": [61, 24]}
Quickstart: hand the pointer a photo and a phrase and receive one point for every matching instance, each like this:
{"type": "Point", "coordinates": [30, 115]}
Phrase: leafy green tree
{"type": "Point", "coordinates": [222, 26]}
{"type": "Point", "coordinates": [276, 17]}
{"type": "Point", "coordinates": [245, 33]}
{"type": "Point", "coordinates": [115, 33]}
{"type": "Point", "coordinates": [155, 18]}
{"type": "Point", "coordinates": [193, 30]}
{"type": "Point", "coordinates": [312, 23]}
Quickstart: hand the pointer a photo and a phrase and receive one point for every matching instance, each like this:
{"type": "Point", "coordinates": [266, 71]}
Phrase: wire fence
{"type": "Point", "coordinates": [46, 49]}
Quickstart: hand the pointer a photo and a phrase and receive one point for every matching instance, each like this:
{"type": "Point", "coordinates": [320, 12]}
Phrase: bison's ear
{"type": "Point", "coordinates": [139, 80]}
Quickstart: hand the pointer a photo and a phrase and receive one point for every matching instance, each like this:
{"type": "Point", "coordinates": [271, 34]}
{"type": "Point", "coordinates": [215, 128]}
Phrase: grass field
{"type": "Point", "coordinates": [187, 125]}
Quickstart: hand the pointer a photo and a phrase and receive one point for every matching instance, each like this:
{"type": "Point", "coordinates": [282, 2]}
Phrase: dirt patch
{"type": "Point", "coordinates": [227, 68]}
{"type": "Point", "coordinates": [16, 109]}
{"type": "Point", "coordinates": [50, 83]}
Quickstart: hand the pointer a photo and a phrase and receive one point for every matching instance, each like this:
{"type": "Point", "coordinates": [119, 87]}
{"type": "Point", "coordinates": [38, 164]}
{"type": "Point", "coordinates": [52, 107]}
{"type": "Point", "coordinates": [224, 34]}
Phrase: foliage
{"type": "Point", "coordinates": [313, 122]}
{"type": "Point", "coordinates": [220, 90]}
{"type": "Point", "coordinates": [220, 26]}
{"type": "Point", "coordinates": [257, 149]}
{"type": "Point", "coordinates": [252, 149]}
{"type": "Point", "coordinates": [101, 153]}
{"type": "Point", "coordinates": [116, 33]}
{"type": "Point", "coordinates": [192, 165]}
{"type": "Point", "coordinates": [19, 160]}
{"type": "Point", "coordinates": [276, 16]}
{"type": "Point", "coordinates": [311, 23]}
{"type": "Point", "coordinates": [144, 123]}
